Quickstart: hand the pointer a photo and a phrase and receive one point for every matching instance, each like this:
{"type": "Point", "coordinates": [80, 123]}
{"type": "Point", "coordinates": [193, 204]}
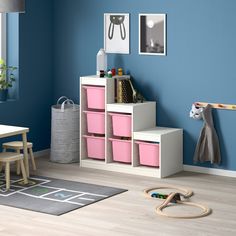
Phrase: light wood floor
{"type": "Point", "coordinates": [129, 213]}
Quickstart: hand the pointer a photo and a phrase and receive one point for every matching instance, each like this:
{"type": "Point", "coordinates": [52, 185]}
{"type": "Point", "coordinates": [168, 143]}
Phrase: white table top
{"type": "Point", "coordinates": [7, 130]}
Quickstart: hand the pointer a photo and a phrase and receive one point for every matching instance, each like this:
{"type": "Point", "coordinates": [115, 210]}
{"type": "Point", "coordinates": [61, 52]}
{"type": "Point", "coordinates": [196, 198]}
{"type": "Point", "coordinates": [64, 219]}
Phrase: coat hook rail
{"type": "Point", "coordinates": [217, 105]}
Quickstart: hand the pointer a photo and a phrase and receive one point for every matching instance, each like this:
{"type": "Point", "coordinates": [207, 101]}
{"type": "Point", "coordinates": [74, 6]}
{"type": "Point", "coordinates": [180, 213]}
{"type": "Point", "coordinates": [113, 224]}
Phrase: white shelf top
{"type": "Point", "coordinates": [98, 77]}
{"type": "Point", "coordinates": [157, 131]}
{"type": "Point", "coordinates": [96, 80]}
{"type": "Point", "coordinates": [127, 107]}
{"type": "Point", "coordinates": [129, 104]}
{"type": "Point", "coordinates": [94, 77]}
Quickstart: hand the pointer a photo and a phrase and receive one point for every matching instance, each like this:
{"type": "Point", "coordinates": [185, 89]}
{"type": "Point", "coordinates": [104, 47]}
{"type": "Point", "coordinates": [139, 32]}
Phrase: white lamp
{"type": "Point", "coordinates": [12, 6]}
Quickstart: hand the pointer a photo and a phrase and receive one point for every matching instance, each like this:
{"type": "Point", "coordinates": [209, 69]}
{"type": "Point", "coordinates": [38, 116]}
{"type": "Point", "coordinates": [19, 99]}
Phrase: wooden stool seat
{"type": "Point", "coordinates": [18, 147]}
{"type": "Point", "coordinates": [7, 158]}
{"type": "Point", "coordinates": [10, 156]}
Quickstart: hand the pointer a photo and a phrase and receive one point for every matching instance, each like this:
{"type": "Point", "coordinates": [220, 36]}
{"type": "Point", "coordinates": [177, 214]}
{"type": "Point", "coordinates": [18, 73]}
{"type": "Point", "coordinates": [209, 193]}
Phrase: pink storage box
{"type": "Point", "coordinates": [148, 153]}
{"type": "Point", "coordinates": [121, 150]}
{"type": "Point", "coordinates": [95, 122]}
{"type": "Point", "coordinates": [121, 124]}
{"type": "Point", "coordinates": [95, 147]}
{"type": "Point", "coordinates": [95, 97]}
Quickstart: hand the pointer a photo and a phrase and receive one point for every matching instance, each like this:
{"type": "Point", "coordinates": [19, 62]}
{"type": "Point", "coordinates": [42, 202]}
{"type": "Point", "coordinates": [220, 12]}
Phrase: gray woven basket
{"type": "Point", "coordinates": [65, 132]}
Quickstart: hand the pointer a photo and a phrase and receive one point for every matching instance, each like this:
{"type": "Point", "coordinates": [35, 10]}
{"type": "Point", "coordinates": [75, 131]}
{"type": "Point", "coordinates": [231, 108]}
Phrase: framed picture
{"type": "Point", "coordinates": [152, 34]}
{"type": "Point", "coordinates": [116, 33]}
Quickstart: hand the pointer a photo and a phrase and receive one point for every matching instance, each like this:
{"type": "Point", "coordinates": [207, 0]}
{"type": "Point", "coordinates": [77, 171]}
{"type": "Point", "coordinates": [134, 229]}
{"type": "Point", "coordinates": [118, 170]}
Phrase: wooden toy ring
{"type": "Point", "coordinates": [186, 193]}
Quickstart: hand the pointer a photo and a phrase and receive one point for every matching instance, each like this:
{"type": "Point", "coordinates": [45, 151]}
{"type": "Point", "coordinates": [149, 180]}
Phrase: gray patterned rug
{"type": "Point", "coordinates": [52, 196]}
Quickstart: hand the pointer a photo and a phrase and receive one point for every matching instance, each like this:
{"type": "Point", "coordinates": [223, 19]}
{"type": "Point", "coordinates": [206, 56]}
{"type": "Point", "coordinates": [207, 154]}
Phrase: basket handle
{"type": "Point", "coordinates": [67, 101]}
{"type": "Point", "coordinates": [60, 98]}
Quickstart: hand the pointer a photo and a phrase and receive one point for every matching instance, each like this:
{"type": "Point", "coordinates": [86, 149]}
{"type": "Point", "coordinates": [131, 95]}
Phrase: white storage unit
{"type": "Point", "coordinates": [143, 119]}
{"type": "Point", "coordinates": [170, 150]}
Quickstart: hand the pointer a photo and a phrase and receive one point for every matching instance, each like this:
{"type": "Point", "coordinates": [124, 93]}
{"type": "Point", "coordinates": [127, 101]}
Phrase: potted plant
{"type": "Point", "coordinates": [7, 78]}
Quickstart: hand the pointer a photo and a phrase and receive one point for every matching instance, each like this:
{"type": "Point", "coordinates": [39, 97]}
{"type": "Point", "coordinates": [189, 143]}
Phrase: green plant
{"type": "Point", "coordinates": [7, 76]}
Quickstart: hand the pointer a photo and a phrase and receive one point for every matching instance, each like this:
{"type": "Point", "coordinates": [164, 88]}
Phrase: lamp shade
{"type": "Point", "coordinates": [12, 6]}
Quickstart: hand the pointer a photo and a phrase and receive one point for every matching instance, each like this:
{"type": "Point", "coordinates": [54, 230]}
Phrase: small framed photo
{"type": "Point", "coordinates": [152, 34]}
{"type": "Point", "coordinates": [116, 33]}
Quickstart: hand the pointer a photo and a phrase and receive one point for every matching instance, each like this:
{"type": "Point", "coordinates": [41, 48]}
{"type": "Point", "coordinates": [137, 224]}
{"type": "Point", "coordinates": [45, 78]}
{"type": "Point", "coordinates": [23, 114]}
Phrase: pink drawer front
{"type": "Point", "coordinates": [95, 97]}
{"type": "Point", "coordinates": [121, 150]}
{"type": "Point", "coordinates": [95, 122]}
{"type": "Point", "coordinates": [95, 147]}
{"type": "Point", "coordinates": [121, 124]}
{"type": "Point", "coordinates": [148, 153]}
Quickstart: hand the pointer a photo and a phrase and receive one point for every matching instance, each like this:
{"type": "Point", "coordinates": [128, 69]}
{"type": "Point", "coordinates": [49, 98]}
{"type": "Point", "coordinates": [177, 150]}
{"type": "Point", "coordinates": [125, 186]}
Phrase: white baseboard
{"type": "Point", "coordinates": [44, 152]}
{"type": "Point", "coordinates": [197, 169]}
{"type": "Point", "coordinates": [211, 171]}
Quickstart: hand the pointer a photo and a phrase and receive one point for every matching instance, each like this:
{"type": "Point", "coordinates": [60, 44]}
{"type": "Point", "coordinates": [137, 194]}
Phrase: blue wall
{"type": "Point", "coordinates": [59, 39]}
{"type": "Point", "coordinates": [32, 109]}
{"type": "Point", "coordinates": [199, 66]}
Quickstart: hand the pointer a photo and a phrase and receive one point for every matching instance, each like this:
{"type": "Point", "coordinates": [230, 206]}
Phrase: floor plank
{"type": "Point", "coordinates": [129, 213]}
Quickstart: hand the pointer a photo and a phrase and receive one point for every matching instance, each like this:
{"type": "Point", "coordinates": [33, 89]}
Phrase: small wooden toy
{"type": "Point", "coordinates": [159, 195]}
{"type": "Point", "coordinates": [109, 74]}
{"type": "Point", "coordinates": [113, 71]}
{"type": "Point", "coordinates": [120, 71]}
{"type": "Point", "coordinates": [102, 73]}
{"type": "Point", "coordinates": [165, 196]}
{"type": "Point", "coordinates": [175, 197]}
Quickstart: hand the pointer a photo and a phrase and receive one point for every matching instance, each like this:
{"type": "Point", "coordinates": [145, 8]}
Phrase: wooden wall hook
{"type": "Point", "coordinates": [216, 105]}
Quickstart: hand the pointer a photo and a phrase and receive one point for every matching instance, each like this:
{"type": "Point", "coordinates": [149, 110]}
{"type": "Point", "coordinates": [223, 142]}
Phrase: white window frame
{"type": "Point", "coordinates": [3, 36]}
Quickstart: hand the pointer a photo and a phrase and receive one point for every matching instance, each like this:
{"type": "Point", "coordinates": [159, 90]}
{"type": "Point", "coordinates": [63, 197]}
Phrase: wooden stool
{"type": "Point", "coordinates": [7, 158]}
{"type": "Point", "coordinates": [18, 146]}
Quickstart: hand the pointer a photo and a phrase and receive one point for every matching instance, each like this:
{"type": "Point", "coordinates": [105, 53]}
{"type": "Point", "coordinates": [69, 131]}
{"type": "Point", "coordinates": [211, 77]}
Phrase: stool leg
{"type": "Point", "coordinates": [4, 150]}
{"type": "Point", "coordinates": [26, 160]}
{"type": "Point", "coordinates": [23, 172]}
{"type": "Point", "coordinates": [32, 158]}
{"type": "Point", "coordinates": [18, 167]}
{"type": "Point", "coordinates": [18, 164]}
{"type": "Point", "coordinates": [7, 175]}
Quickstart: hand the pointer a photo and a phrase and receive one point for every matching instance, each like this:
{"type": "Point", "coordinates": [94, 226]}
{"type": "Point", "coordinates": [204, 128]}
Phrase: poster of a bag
{"type": "Point", "coordinates": [152, 34]}
{"type": "Point", "coordinates": [116, 33]}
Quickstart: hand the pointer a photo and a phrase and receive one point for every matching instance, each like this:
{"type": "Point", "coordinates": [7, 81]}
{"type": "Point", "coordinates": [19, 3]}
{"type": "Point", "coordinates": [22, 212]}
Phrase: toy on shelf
{"type": "Point", "coordinates": [109, 74]}
{"type": "Point", "coordinates": [113, 71]}
{"type": "Point", "coordinates": [120, 71]}
{"type": "Point", "coordinates": [102, 73]}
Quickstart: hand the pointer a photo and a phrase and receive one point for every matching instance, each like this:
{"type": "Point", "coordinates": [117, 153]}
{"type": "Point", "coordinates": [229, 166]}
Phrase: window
{"type": "Point", "coordinates": [3, 36]}
{"type": "Point", "coordinates": [9, 47]}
